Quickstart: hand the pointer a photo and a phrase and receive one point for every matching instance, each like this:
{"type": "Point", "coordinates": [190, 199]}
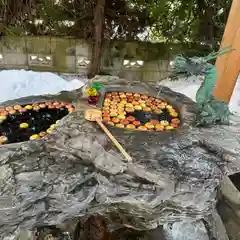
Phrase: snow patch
{"type": "Point", "coordinates": [190, 86]}
{"type": "Point", "coordinates": [185, 86]}
{"type": "Point", "coordinates": [21, 83]}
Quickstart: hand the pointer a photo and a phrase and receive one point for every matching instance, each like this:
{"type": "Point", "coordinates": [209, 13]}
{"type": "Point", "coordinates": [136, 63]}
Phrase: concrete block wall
{"type": "Point", "coordinates": [69, 55]}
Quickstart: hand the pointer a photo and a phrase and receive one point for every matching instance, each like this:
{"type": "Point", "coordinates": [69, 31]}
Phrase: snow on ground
{"type": "Point", "coordinates": [190, 86]}
{"type": "Point", "coordinates": [234, 104]}
{"type": "Point", "coordinates": [187, 87]}
{"type": "Point", "coordinates": [21, 83]}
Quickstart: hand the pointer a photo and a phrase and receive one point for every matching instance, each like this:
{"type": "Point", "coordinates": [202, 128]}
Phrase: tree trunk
{"type": "Point", "coordinates": [98, 30]}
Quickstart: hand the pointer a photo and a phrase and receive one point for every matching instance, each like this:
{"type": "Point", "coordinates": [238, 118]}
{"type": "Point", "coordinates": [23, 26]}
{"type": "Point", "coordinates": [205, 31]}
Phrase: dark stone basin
{"type": "Point", "coordinates": [38, 120]}
{"type": "Point", "coordinates": [186, 111]}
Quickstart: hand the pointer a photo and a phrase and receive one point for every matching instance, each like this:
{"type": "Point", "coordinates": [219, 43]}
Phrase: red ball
{"type": "Point", "coordinates": [93, 100]}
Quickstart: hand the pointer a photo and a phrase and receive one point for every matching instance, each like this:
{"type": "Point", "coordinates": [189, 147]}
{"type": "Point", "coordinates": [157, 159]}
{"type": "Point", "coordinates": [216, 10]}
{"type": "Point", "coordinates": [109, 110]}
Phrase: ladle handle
{"type": "Point", "coordinates": [114, 140]}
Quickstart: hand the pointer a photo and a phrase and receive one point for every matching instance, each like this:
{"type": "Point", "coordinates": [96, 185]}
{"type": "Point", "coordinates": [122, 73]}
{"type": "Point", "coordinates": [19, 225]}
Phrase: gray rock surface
{"type": "Point", "coordinates": [229, 208]}
{"type": "Point", "coordinates": [77, 172]}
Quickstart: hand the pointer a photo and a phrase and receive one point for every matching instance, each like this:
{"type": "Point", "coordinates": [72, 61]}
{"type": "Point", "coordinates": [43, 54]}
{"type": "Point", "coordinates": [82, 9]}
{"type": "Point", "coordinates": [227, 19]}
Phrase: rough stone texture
{"type": "Point", "coordinates": [77, 172]}
{"type": "Point", "coordinates": [229, 208]}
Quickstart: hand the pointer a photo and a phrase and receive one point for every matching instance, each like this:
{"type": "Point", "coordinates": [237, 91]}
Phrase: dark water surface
{"type": "Point", "coordinates": [39, 121]}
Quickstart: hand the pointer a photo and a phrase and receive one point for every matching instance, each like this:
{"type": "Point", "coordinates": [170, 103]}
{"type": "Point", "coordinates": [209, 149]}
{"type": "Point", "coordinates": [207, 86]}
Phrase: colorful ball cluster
{"type": "Point", "coordinates": [119, 109]}
{"type": "Point", "coordinates": [32, 121]}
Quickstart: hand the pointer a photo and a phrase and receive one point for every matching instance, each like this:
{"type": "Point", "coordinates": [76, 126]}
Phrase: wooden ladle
{"type": "Point", "coordinates": [95, 115]}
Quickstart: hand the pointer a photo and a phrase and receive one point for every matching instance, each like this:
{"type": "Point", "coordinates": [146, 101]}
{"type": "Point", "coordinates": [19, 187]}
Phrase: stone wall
{"type": "Point", "coordinates": [130, 60]}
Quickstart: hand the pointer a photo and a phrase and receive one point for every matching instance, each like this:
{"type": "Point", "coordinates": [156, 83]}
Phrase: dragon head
{"type": "Point", "coordinates": [184, 66]}
{"type": "Point", "coordinates": [195, 66]}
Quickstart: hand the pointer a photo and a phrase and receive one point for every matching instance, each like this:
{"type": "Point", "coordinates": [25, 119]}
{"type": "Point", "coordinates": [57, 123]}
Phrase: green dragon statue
{"type": "Point", "coordinates": [210, 110]}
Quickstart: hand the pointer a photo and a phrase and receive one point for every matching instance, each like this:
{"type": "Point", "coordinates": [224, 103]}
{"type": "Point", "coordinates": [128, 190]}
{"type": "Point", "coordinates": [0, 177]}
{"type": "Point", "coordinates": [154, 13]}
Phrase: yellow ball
{"type": "Point", "coordinates": [173, 114]}
{"type": "Point", "coordinates": [169, 107]}
{"type": "Point", "coordinates": [169, 127]}
{"type": "Point", "coordinates": [164, 123]}
{"type": "Point", "coordinates": [121, 116]}
{"type": "Point", "coordinates": [123, 102]}
{"type": "Point", "coordinates": [34, 137]}
{"type": "Point", "coordinates": [28, 107]}
{"type": "Point", "coordinates": [2, 118]}
{"type": "Point", "coordinates": [129, 105]}
{"type": "Point", "coordinates": [49, 131]}
{"type": "Point", "coordinates": [24, 125]}
{"type": "Point", "coordinates": [52, 126]}
{"type": "Point", "coordinates": [138, 107]}
{"type": "Point", "coordinates": [17, 107]}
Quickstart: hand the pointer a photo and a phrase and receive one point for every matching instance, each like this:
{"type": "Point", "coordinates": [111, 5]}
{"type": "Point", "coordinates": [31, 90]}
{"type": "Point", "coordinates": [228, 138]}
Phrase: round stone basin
{"type": "Point", "coordinates": [21, 123]}
{"type": "Point", "coordinates": [138, 110]}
